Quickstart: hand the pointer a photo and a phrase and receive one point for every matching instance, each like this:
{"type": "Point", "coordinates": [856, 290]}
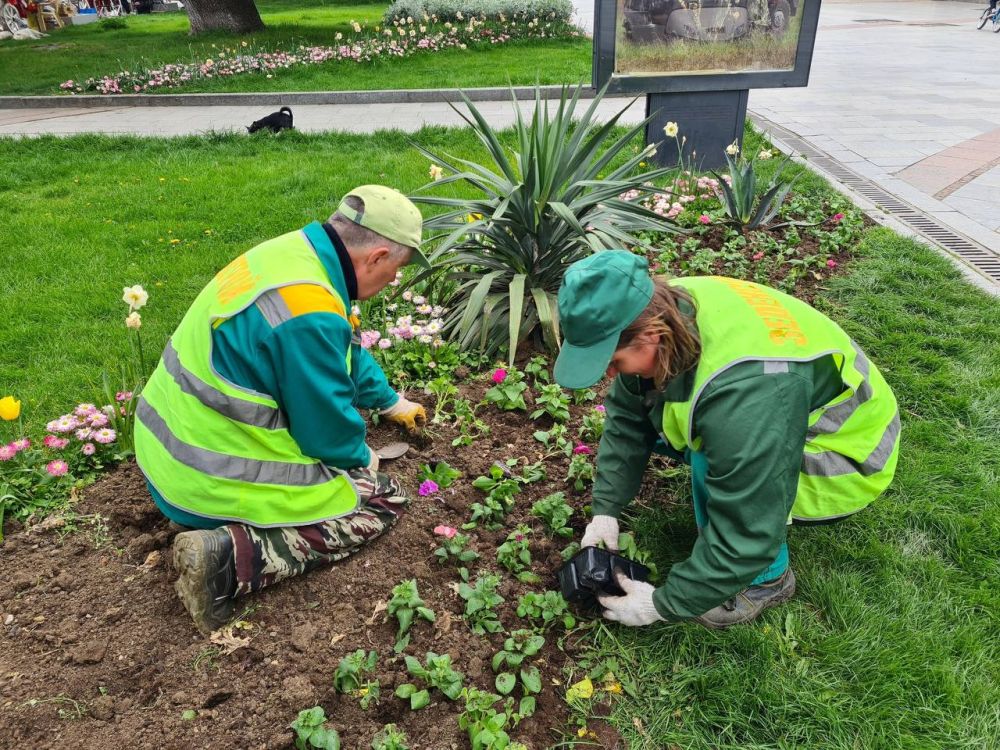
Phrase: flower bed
{"type": "Point", "coordinates": [399, 39]}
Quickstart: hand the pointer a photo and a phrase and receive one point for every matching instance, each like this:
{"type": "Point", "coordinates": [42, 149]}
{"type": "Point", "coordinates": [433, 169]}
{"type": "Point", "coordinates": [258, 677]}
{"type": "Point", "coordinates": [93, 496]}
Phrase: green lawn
{"type": "Point", "coordinates": [80, 52]}
{"type": "Point", "coordinates": [892, 641]}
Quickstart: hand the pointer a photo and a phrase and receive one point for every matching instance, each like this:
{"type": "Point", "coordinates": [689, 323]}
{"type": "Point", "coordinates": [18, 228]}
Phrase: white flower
{"type": "Point", "coordinates": [424, 338]}
{"type": "Point", "coordinates": [419, 299]}
{"type": "Point", "coordinates": [670, 129]}
{"type": "Point", "coordinates": [407, 295]}
{"type": "Point", "coordinates": [733, 148]}
{"type": "Point", "coordinates": [133, 321]}
{"type": "Point", "coordinates": [338, 36]}
{"type": "Point", "coordinates": [135, 297]}
{"type": "Point", "coordinates": [651, 150]}
{"type": "Point", "coordinates": [765, 154]}
{"type": "Point", "coordinates": [436, 172]}
{"type": "Point", "coordinates": [356, 26]}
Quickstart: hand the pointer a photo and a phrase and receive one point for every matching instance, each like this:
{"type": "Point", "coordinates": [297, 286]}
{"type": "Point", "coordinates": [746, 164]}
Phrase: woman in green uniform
{"type": "Point", "coordinates": [779, 413]}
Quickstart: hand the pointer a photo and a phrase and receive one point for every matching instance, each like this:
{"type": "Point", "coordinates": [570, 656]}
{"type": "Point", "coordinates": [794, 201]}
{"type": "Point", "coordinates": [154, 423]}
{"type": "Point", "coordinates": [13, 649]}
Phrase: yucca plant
{"type": "Point", "coordinates": [744, 209]}
{"type": "Point", "coordinates": [551, 200]}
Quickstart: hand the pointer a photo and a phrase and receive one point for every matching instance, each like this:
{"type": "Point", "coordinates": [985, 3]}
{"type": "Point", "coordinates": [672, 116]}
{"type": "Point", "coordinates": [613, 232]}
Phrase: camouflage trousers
{"type": "Point", "coordinates": [266, 556]}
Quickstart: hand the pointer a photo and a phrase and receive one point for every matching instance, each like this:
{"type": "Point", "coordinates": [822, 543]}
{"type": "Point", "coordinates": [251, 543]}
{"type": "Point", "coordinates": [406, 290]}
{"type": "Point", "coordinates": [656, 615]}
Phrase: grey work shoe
{"type": "Point", "coordinates": [750, 602]}
{"type": "Point", "coordinates": [206, 584]}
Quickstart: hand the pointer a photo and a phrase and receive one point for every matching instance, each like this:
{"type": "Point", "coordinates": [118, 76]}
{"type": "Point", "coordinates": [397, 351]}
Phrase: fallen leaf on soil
{"type": "Point", "coordinates": [151, 561]}
{"type": "Point", "coordinates": [52, 522]}
{"type": "Point", "coordinates": [442, 624]}
{"type": "Point", "coordinates": [337, 638]}
{"type": "Point", "coordinates": [380, 606]}
{"type": "Point", "coordinates": [583, 689]}
{"type": "Point", "coordinates": [228, 640]}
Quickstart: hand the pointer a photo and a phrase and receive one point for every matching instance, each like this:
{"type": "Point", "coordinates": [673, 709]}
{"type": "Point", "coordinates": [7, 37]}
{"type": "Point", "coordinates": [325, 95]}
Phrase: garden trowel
{"type": "Point", "coordinates": [391, 451]}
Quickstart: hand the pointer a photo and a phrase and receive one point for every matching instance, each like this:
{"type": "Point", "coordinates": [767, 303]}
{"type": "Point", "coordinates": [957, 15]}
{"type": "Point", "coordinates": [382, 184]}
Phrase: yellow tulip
{"type": "Point", "coordinates": [10, 408]}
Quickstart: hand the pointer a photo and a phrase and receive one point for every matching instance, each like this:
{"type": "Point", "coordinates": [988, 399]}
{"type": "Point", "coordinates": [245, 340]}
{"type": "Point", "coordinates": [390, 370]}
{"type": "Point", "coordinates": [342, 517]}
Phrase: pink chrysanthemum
{"type": "Point", "coordinates": [88, 449]}
{"type": "Point", "coordinates": [97, 419]}
{"type": "Point", "coordinates": [84, 410]}
{"type": "Point", "coordinates": [83, 433]}
{"type": "Point", "coordinates": [21, 444]}
{"type": "Point", "coordinates": [57, 468]}
{"type": "Point", "coordinates": [65, 423]}
{"type": "Point", "coordinates": [104, 435]}
{"type": "Point", "coordinates": [123, 396]}
{"type": "Point", "coordinates": [7, 452]}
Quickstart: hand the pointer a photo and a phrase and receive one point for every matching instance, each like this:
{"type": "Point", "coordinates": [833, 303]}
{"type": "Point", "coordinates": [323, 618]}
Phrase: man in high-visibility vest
{"type": "Point", "coordinates": [780, 414]}
{"type": "Point", "coordinates": [248, 429]}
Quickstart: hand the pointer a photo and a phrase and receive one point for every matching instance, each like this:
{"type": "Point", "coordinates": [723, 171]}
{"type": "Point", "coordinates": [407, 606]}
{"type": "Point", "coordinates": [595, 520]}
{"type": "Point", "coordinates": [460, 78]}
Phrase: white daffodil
{"type": "Point", "coordinates": [765, 154]}
{"type": "Point", "coordinates": [436, 172]}
{"type": "Point", "coordinates": [671, 129]}
{"type": "Point", "coordinates": [133, 321]}
{"type": "Point", "coordinates": [135, 297]}
{"type": "Point", "coordinates": [733, 148]}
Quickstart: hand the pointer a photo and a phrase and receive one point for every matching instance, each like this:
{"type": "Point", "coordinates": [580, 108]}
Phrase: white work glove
{"type": "Point", "coordinates": [373, 461]}
{"type": "Point", "coordinates": [635, 608]}
{"type": "Point", "coordinates": [601, 529]}
{"type": "Point", "coordinates": [406, 413]}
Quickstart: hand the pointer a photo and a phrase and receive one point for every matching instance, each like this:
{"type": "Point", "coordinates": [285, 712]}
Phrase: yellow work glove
{"type": "Point", "coordinates": [406, 413]}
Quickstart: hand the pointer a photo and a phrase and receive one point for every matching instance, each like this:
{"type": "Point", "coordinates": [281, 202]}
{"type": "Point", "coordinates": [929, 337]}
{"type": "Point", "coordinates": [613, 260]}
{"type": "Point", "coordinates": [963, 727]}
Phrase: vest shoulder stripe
{"type": "Point", "coordinates": [302, 299]}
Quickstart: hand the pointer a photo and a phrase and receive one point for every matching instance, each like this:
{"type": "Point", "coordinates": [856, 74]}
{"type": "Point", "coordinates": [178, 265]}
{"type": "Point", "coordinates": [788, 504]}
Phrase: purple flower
{"type": "Point", "coordinates": [581, 448]}
{"type": "Point", "coordinates": [427, 487]}
{"type": "Point", "coordinates": [600, 408]}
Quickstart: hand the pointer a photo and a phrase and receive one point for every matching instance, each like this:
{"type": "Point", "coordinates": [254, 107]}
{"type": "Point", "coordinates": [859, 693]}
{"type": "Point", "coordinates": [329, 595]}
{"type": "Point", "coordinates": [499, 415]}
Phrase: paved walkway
{"type": "Point", "coordinates": [899, 92]}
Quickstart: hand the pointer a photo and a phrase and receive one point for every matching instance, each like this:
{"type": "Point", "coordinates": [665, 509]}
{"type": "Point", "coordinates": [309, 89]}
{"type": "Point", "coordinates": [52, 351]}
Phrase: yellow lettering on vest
{"type": "Point", "coordinates": [234, 280]}
{"type": "Point", "coordinates": [781, 326]}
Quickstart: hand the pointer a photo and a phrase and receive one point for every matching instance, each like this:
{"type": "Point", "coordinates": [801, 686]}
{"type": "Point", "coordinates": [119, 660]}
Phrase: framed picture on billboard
{"type": "Point", "coordinates": [644, 46]}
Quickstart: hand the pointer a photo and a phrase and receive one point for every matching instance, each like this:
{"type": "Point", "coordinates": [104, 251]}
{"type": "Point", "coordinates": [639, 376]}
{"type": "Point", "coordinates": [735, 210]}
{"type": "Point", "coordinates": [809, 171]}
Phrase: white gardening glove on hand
{"type": "Point", "coordinates": [636, 607]}
{"type": "Point", "coordinates": [373, 461]}
{"type": "Point", "coordinates": [406, 413]}
{"type": "Point", "coordinates": [601, 529]}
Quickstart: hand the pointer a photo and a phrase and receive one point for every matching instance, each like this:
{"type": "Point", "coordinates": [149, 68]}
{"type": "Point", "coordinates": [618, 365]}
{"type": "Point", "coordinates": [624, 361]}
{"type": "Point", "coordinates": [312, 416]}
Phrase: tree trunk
{"type": "Point", "coordinates": [234, 16]}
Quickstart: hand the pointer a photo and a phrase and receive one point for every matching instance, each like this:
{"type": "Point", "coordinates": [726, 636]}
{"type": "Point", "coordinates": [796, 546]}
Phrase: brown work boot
{"type": "Point", "coordinates": [750, 602]}
{"type": "Point", "coordinates": [206, 583]}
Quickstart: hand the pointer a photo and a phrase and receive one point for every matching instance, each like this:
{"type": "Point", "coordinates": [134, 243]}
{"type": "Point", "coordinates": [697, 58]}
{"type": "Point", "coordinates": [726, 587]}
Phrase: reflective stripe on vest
{"type": "Point", "coordinates": [851, 443]}
{"type": "Point", "coordinates": [221, 451]}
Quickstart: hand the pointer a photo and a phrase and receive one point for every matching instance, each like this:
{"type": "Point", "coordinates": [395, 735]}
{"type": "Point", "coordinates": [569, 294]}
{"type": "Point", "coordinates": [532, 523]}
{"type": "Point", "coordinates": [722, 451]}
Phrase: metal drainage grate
{"type": "Point", "coordinates": [979, 257]}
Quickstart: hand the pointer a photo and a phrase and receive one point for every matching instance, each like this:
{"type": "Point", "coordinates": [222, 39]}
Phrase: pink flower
{"type": "Point", "coordinates": [123, 396]}
{"type": "Point", "coordinates": [601, 408]}
{"type": "Point", "coordinates": [446, 531]}
{"type": "Point", "coordinates": [84, 410]}
{"type": "Point", "coordinates": [581, 448]}
{"type": "Point", "coordinates": [705, 219]}
{"type": "Point", "coordinates": [758, 256]}
{"type": "Point", "coordinates": [831, 263]}
{"type": "Point", "coordinates": [83, 433]}
{"type": "Point", "coordinates": [384, 343]}
{"type": "Point", "coordinates": [7, 452]}
{"type": "Point", "coordinates": [837, 218]}
{"type": "Point", "coordinates": [21, 444]}
{"type": "Point", "coordinates": [57, 468]}
{"type": "Point", "coordinates": [428, 487]}
{"type": "Point", "coordinates": [51, 441]}
{"type": "Point", "coordinates": [104, 435]}
{"type": "Point", "coordinates": [369, 338]}
{"type": "Point", "coordinates": [499, 375]}
{"type": "Point", "coordinates": [88, 449]}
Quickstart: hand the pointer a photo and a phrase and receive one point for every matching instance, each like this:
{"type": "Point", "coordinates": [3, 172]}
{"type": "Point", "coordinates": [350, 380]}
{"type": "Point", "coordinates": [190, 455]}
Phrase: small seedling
{"type": "Point", "coordinates": [369, 693]}
{"type": "Point", "coordinates": [508, 394]}
{"type": "Point", "coordinates": [555, 512]}
{"type": "Point", "coordinates": [483, 722]}
{"type": "Point", "coordinates": [352, 669]}
{"type": "Point", "coordinates": [537, 368]}
{"type": "Point", "coordinates": [552, 401]}
{"type": "Point", "coordinates": [442, 474]}
{"type": "Point", "coordinates": [471, 426]}
{"type": "Point", "coordinates": [515, 555]}
{"type": "Point", "coordinates": [456, 550]}
{"type": "Point", "coordinates": [519, 646]}
{"type": "Point", "coordinates": [555, 441]}
{"type": "Point", "coordinates": [628, 548]}
{"type": "Point", "coordinates": [390, 738]}
{"type": "Point", "coordinates": [310, 731]}
{"type": "Point", "coordinates": [549, 608]}
{"type": "Point", "coordinates": [592, 427]}
{"type": "Point", "coordinates": [583, 396]}
{"type": "Point", "coordinates": [480, 603]}
{"type": "Point", "coordinates": [437, 673]}
{"type": "Point", "coordinates": [406, 604]}
{"type": "Point", "coordinates": [580, 472]}
{"type": "Point", "coordinates": [445, 391]}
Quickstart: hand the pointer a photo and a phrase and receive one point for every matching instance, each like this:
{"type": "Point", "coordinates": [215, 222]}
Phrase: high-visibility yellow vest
{"type": "Point", "coordinates": [221, 451]}
{"type": "Point", "coordinates": [852, 443]}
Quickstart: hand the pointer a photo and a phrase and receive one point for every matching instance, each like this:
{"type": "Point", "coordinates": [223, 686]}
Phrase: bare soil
{"type": "Point", "coordinates": [96, 651]}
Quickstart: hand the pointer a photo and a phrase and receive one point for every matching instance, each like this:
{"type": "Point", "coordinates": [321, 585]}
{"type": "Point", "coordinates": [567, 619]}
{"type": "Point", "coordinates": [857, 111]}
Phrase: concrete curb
{"type": "Point", "coordinates": [388, 96]}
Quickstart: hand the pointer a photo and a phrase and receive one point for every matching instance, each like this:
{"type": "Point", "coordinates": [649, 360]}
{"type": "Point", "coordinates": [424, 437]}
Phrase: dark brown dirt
{"type": "Point", "coordinates": [96, 651]}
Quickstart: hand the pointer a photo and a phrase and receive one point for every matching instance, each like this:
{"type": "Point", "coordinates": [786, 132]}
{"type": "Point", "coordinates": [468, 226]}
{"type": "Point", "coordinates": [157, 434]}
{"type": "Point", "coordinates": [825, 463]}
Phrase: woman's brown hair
{"type": "Point", "coordinates": [679, 346]}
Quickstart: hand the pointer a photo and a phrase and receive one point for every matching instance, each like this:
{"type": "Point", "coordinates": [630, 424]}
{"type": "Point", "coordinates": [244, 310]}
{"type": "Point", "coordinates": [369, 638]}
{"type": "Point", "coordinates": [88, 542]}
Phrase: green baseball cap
{"type": "Point", "coordinates": [599, 298]}
{"type": "Point", "coordinates": [389, 213]}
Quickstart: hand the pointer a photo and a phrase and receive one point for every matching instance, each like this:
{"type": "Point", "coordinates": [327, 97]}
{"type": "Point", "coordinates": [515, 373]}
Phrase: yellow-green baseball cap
{"type": "Point", "coordinates": [599, 298]}
{"type": "Point", "coordinates": [389, 213]}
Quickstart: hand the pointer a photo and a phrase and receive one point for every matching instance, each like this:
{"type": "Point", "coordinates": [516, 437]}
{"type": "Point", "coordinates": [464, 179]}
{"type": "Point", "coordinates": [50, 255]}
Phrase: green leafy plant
{"type": "Point", "coordinates": [744, 210]}
{"type": "Point", "coordinates": [311, 732]}
{"type": "Point", "coordinates": [552, 401]}
{"type": "Point", "coordinates": [537, 368]}
{"type": "Point", "coordinates": [515, 555]}
{"type": "Point", "coordinates": [442, 474]}
{"type": "Point", "coordinates": [508, 393]}
{"type": "Point", "coordinates": [627, 547]}
{"type": "Point", "coordinates": [472, 427]}
{"type": "Point", "coordinates": [456, 550]}
{"type": "Point", "coordinates": [444, 391]}
{"type": "Point", "coordinates": [555, 440]}
{"type": "Point", "coordinates": [406, 605]}
{"type": "Point", "coordinates": [592, 426]}
{"type": "Point", "coordinates": [555, 512]}
{"type": "Point", "coordinates": [555, 202]}
{"type": "Point", "coordinates": [390, 737]}
{"type": "Point", "coordinates": [548, 608]}
{"type": "Point", "coordinates": [352, 669]}
{"type": "Point", "coordinates": [485, 725]}
{"type": "Point", "coordinates": [436, 672]}
{"type": "Point", "coordinates": [519, 646]}
{"type": "Point", "coordinates": [481, 601]}
{"type": "Point", "coordinates": [500, 487]}
{"type": "Point", "coordinates": [580, 472]}
{"type": "Point", "coordinates": [583, 396]}
{"type": "Point", "coordinates": [533, 473]}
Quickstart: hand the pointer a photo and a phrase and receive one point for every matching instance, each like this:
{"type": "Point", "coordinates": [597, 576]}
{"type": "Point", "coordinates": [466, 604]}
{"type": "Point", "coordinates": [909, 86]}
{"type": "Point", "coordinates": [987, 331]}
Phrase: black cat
{"type": "Point", "coordinates": [276, 121]}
